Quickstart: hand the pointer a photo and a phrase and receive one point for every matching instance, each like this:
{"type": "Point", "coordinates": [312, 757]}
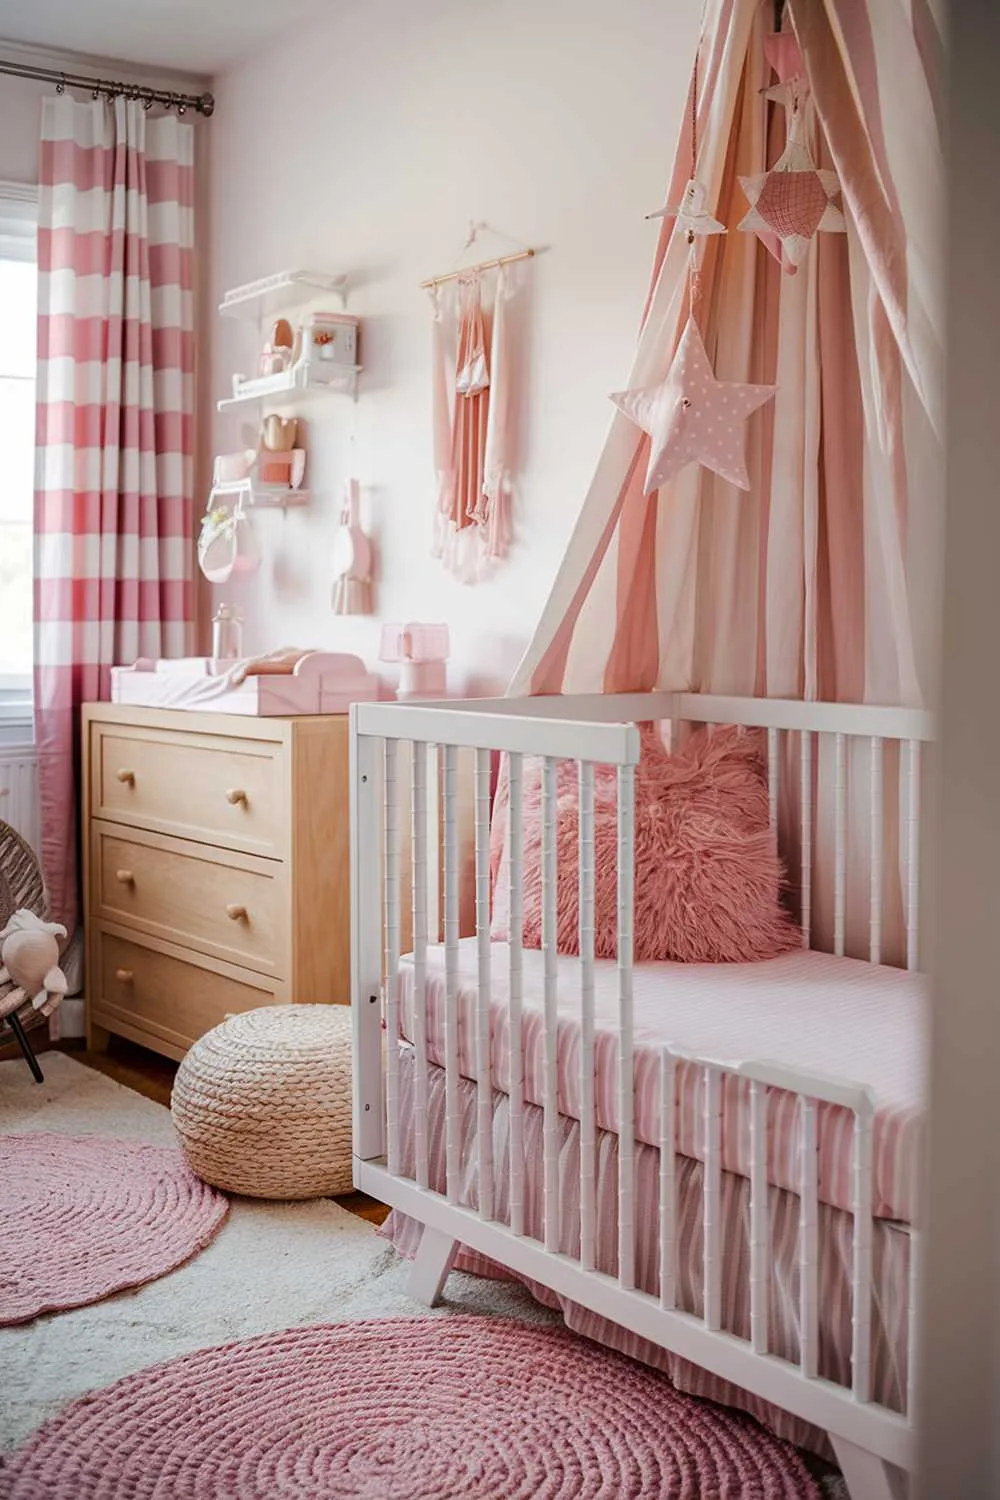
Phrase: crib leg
{"type": "Point", "coordinates": [868, 1477]}
{"type": "Point", "coordinates": [434, 1259]}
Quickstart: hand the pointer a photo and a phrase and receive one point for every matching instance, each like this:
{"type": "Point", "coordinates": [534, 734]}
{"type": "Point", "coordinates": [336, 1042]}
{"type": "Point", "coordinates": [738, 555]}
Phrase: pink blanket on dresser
{"type": "Point", "coordinates": [835, 1016]}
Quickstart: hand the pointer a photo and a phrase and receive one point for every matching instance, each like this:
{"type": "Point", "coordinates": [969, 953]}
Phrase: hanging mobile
{"type": "Point", "coordinates": [691, 214]}
{"type": "Point", "coordinates": [794, 200]}
{"type": "Point", "coordinates": [690, 416]}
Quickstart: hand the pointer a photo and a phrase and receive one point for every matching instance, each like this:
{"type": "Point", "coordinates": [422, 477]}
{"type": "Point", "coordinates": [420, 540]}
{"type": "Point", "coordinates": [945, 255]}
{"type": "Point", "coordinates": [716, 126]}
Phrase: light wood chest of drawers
{"type": "Point", "coordinates": [216, 872]}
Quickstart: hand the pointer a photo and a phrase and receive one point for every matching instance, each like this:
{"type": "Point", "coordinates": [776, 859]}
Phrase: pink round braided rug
{"type": "Point", "coordinates": [457, 1408]}
{"type": "Point", "coordinates": [82, 1216]}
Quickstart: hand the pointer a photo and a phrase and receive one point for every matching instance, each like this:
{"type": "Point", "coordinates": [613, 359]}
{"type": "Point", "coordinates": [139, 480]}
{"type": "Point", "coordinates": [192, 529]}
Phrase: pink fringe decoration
{"type": "Point", "coordinates": [708, 877]}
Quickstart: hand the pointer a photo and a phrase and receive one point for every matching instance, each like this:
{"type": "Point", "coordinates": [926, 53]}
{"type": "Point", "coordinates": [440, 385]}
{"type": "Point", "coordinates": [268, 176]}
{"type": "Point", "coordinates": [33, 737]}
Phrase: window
{"type": "Point", "coordinates": [18, 216]}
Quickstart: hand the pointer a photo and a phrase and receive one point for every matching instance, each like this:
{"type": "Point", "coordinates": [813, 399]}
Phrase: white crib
{"type": "Point", "coordinates": [821, 756]}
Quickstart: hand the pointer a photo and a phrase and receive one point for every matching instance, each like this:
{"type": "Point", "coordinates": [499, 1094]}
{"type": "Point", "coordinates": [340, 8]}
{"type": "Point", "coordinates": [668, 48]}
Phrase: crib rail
{"type": "Point", "coordinates": [819, 757]}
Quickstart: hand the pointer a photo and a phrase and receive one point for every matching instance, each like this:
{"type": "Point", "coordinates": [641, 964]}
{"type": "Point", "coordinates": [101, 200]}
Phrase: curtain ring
{"type": "Point", "coordinates": [61, 85]}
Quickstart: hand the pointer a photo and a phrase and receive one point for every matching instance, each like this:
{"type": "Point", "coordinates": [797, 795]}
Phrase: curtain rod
{"type": "Point", "coordinates": [203, 104]}
{"type": "Point", "coordinates": [480, 265]}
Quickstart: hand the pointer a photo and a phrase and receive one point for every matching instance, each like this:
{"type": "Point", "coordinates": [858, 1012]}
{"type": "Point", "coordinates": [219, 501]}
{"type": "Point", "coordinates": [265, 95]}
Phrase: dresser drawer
{"type": "Point", "coordinates": [162, 999]}
{"type": "Point", "coordinates": [229, 905]}
{"type": "Point", "coordinates": [206, 787]}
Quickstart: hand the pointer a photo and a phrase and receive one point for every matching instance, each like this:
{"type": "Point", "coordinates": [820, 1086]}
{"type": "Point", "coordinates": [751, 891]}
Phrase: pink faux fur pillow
{"type": "Point", "coordinates": [708, 878]}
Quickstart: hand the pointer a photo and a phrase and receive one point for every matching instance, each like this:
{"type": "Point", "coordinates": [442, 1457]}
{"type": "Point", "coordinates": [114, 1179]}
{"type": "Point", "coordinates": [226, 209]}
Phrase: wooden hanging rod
{"type": "Point", "coordinates": [480, 265]}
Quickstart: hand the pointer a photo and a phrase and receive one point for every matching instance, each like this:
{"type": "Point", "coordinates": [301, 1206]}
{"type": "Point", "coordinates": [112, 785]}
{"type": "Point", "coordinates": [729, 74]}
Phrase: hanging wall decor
{"type": "Point", "coordinates": [475, 384]}
{"type": "Point", "coordinates": [352, 559]}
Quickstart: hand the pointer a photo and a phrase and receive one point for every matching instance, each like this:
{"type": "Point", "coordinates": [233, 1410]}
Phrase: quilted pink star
{"type": "Point", "coordinates": [692, 417]}
{"type": "Point", "coordinates": [793, 200]}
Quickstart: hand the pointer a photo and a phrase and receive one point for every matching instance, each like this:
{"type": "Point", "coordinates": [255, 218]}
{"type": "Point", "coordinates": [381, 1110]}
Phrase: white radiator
{"type": "Point", "coordinates": [19, 791]}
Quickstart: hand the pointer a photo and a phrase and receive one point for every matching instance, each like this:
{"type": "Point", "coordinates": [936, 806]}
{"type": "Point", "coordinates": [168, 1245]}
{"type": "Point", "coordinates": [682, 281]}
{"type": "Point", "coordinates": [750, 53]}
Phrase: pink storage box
{"type": "Point", "coordinates": [319, 682]}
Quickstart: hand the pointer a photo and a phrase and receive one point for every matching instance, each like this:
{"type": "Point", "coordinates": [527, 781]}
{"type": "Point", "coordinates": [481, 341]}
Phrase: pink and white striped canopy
{"type": "Point", "coordinates": [819, 582]}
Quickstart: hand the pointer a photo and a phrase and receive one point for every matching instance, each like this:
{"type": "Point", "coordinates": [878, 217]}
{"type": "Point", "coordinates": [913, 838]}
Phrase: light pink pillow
{"type": "Point", "coordinates": [708, 878]}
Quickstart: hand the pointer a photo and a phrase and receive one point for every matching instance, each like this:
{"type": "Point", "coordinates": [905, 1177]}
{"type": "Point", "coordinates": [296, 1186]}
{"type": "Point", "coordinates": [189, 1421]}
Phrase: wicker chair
{"type": "Point", "coordinates": [21, 886]}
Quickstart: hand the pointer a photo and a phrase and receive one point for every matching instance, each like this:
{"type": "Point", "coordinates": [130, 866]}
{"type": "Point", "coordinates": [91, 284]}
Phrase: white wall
{"type": "Point", "coordinates": [20, 123]}
{"type": "Point", "coordinates": [366, 144]}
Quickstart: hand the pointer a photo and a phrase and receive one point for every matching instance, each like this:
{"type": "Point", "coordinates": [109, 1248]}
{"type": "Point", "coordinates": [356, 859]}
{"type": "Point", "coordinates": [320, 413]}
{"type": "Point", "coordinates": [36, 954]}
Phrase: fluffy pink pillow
{"type": "Point", "coordinates": [708, 878]}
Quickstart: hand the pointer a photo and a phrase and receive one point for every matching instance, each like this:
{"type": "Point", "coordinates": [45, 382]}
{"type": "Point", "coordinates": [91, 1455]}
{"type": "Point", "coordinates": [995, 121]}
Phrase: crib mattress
{"type": "Point", "coordinates": [835, 1016]}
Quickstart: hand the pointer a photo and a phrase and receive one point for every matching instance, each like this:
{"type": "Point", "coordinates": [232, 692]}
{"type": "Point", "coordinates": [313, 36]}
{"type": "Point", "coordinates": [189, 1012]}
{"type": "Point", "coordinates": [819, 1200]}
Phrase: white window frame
{"type": "Point", "coordinates": [18, 241]}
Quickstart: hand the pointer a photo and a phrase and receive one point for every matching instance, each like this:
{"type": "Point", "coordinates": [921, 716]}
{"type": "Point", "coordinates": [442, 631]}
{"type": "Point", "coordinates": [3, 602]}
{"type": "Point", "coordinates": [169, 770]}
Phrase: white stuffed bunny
{"type": "Point", "coordinates": [29, 958]}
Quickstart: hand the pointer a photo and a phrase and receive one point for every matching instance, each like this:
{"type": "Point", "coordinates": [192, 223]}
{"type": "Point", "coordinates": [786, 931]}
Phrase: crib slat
{"type": "Point", "coordinates": [912, 853]}
{"type": "Point", "coordinates": [875, 854]}
{"type": "Point", "coordinates": [713, 1198]}
{"type": "Point", "coordinates": [418, 804]}
{"type": "Point", "coordinates": [915, 1282]}
{"type": "Point", "coordinates": [668, 1179]}
{"type": "Point", "coordinates": [759, 1238]}
{"type": "Point", "coordinates": [806, 838]}
{"type": "Point", "coordinates": [809, 1240]}
{"type": "Point", "coordinates": [515, 834]}
{"type": "Point", "coordinates": [391, 965]}
{"type": "Point", "coordinates": [550, 1095]}
{"type": "Point", "coordinates": [861, 1208]}
{"type": "Point", "coordinates": [913, 1323]}
{"type": "Point", "coordinates": [839, 844]}
{"type": "Point", "coordinates": [453, 1109]}
{"type": "Point", "coordinates": [626, 1116]}
{"type": "Point", "coordinates": [773, 755]}
{"type": "Point", "coordinates": [484, 1074]}
{"type": "Point", "coordinates": [587, 1129]}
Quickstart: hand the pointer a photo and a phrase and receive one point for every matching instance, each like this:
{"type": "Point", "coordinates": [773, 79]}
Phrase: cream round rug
{"type": "Point", "coordinates": [83, 1216]}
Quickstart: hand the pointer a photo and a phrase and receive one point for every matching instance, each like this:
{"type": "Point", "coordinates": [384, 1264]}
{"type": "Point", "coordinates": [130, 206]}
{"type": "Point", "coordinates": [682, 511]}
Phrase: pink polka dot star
{"type": "Point", "coordinates": [692, 417]}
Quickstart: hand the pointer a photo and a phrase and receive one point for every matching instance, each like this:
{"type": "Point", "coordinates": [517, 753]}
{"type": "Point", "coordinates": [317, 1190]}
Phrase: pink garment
{"type": "Point", "coordinates": [113, 505]}
{"type": "Point", "coordinates": [708, 879]}
{"type": "Point", "coordinates": [473, 423]}
{"type": "Point", "coordinates": [890, 1245]}
{"type": "Point", "coordinates": [834, 1016]}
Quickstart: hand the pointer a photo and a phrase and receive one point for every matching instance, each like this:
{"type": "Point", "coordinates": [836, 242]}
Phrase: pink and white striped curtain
{"type": "Point", "coordinates": [114, 475]}
{"type": "Point", "coordinates": [819, 582]}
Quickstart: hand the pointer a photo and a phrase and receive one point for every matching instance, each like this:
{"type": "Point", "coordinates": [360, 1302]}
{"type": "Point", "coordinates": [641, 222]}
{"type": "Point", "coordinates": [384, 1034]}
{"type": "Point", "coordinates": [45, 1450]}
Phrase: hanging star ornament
{"type": "Point", "coordinates": [784, 57]}
{"type": "Point", "coordinates": [694, 418]}
{"type": "Point", "coordinates": [794, 200]}
{"type": "Point", "coordinates": [691, 215]}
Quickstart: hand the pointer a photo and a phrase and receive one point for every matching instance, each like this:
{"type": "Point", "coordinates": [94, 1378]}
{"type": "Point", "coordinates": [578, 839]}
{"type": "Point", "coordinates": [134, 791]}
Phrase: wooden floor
{"type": "Point", "coordinates": [153, 1077]}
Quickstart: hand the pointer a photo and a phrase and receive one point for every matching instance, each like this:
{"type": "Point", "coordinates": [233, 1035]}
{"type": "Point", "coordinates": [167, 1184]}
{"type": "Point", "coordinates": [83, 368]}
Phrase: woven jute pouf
{"type": "Point", "coordinates": [262, 1103]}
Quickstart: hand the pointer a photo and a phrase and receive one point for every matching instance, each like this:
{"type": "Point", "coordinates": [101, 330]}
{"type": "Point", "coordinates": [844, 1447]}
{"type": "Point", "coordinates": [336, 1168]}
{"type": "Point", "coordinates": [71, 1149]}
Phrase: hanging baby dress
{"type": "Point", "coordinates": [472, 424]}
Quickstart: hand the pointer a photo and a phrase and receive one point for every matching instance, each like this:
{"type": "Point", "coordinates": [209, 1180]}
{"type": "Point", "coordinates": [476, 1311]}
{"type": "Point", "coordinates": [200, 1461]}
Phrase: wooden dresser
{"type": "Point", "coordinates": [216, 872]}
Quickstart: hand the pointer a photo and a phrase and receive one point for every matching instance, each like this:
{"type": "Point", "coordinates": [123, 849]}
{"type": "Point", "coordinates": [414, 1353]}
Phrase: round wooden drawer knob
{"type": "Point", "coordinates": [236, 795]}
{"type": "Point", "coordinates": [236, 913]}
{"type": "Point", "coordinates": [125, 877]}
{"type": "Point", "coordinates": [124, 976]}
{"type": "Point", "coordinates": [128, 777]}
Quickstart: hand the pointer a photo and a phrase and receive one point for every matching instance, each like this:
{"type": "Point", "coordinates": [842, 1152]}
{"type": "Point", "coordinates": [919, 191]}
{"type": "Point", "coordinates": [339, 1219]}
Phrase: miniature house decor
{"type": "Point", "coordinates": [319, 354]}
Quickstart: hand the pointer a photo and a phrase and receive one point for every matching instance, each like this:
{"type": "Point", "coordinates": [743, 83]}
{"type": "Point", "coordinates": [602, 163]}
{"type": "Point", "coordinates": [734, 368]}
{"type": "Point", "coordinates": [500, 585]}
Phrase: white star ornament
{"type": "Point", "coordinates": [692, 215]}
{"type": "Point", "coordinates": [694, 418]}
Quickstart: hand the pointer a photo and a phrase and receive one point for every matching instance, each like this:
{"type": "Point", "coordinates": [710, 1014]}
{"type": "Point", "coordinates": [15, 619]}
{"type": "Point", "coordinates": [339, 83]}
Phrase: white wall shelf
{"type": "Point", "coordinates": [260, 496]}
{"type": "Point", "coordinates": [269, 295]}
{"type": "Point", "coordinates": [305, 379]}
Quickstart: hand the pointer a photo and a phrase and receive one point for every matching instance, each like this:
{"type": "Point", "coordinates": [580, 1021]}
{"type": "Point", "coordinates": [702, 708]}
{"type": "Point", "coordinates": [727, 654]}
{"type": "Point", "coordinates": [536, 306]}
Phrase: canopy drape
{"type": "Point", "coordinates": [819, 581]}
